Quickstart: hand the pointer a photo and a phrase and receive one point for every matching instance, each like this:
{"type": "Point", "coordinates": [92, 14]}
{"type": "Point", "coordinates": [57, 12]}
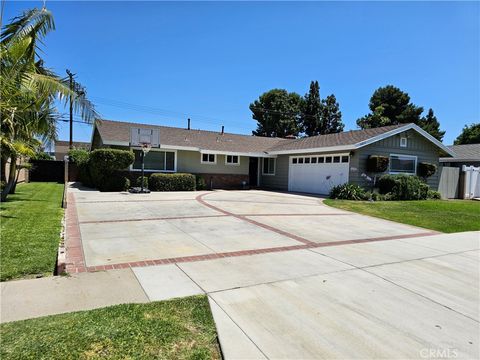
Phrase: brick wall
{"type": "Point", "coordinates": [225, 181]}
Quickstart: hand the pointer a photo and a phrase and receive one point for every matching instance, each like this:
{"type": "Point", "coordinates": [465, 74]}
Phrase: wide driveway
{"type": "Point", "coordinates": [288, 277]}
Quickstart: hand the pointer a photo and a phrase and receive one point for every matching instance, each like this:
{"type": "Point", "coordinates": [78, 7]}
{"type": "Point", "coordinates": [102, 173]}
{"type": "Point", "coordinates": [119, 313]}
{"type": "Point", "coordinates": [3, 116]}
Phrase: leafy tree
{"type": "Point", "coordinates": [29, 90]}
{"type": "Point", "coordinates": [469, 135]}
{"type": "Point", "coordinates": [390, 106]}
{"type": "Point", "coordinates": [431, 125]}
{"type": "Point", "coordinates": [331, 116]}
{"type": "Point", "coordinates": [277, 113]}
{"type": "Point", "coordinates": [311, 111]}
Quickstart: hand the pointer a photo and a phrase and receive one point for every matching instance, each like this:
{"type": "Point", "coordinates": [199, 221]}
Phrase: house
{"type": "Point", "coordinates": [468, 155]}
{"type": "Point", "coordinates": [62, 147]}
{"type": "Point", "coordinates": [312, 165]}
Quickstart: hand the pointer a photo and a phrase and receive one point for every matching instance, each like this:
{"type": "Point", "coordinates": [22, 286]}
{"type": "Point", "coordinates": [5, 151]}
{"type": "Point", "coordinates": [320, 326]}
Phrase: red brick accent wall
{"type": "Point", "coordinates": [224, 181]}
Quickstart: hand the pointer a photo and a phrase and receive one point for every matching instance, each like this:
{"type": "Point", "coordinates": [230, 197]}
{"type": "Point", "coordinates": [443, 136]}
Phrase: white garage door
{"type": "Point", "coordinates": [317, 174]}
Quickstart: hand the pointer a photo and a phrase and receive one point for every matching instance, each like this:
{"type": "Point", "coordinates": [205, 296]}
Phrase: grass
{"type": "Point", "coordinates": [175, 329]}
{"type": "Point", "coordinates": [30, 225]}
{"type": "Point", "coordinates": [447, 216]}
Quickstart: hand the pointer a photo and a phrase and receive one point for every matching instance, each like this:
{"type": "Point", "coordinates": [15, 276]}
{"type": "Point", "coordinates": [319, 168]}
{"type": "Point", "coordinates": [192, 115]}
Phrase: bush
{"type": "Point", "coordinates": [348, 192]}
{"type": "Point", "coordinates": [42, 155]}
{"type": "Point", "coordinates": [138, 181]}
{"type": "Point", "coordinates": [426, 170]}
{"type": "Point", "coordinates": [375, 196]}
{"type": "Point", "coordinates": [377, 163]}
{"type": "Point", "coordinates": [403, 187]}
{"type": "Point", "coordinates": [434, 195]}
{"type": "Point", "coordinates": [200, 183]}
{"type": "Point", "coordinates": [172, 182]}
{"type": "Point", "coordinates": [79, 156]}
{"type": "Point", "coordinates": [103, 166]}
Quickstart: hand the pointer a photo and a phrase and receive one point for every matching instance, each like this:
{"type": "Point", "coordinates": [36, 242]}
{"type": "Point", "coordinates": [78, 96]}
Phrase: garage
{"type": "Point", "coordinates": [317, 174]}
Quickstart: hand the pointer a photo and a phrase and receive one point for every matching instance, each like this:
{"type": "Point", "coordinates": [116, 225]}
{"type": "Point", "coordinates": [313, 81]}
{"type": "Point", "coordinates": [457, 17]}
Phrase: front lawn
{"type": "Point", "coordinates": [441, 215]}
{"type": "Point", "coordinates": [30, 225]}
{"type": "Point", "coordinates": [175, 329]}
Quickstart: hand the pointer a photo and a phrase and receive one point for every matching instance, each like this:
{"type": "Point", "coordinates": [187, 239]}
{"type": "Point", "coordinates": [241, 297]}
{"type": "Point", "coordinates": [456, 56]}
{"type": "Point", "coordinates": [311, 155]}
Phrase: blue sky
{"type": "Point", "coordinates": [209, 60]}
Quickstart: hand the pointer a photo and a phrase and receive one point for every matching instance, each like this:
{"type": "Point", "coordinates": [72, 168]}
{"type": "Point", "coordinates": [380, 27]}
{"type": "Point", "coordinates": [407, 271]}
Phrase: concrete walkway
{"type": "Point", "coordinates": [403, 298]}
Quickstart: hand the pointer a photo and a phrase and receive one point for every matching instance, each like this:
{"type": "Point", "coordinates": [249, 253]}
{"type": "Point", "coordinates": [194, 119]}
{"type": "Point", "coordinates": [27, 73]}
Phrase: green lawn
{"type": "Point", "coordinates": [30, 225]}
{"type": "Point", "coordinates": [175, 329]}
{"type": "Point", "coordinates": [441, 215]}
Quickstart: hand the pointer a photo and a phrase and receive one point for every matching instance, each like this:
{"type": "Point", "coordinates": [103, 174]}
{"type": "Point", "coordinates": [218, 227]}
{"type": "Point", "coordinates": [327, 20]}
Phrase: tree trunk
{"type": "Point", "coordinates": [3, 169]}
{"type": "Point", "coordinates": [11, 178]}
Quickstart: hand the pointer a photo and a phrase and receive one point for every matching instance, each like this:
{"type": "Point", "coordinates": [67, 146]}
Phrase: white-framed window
{"type": "Point", "coordinates": [403, 142]}
{"type": "Point", "coordinates": [403, 164]}
{"type": "Point", "coordinates": [165, 161]}
{"type": "Point", "coordinates": [232, 160]}
{"type": "Point", "coordinates": [268, 166]}
{"type": "Point", "coordinates": [208, 159]}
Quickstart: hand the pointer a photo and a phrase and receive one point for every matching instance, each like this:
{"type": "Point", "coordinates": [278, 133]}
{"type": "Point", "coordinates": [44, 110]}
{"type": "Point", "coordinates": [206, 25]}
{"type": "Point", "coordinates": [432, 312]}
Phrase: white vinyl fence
{"type": "Point", "coordinates": [471, 183]}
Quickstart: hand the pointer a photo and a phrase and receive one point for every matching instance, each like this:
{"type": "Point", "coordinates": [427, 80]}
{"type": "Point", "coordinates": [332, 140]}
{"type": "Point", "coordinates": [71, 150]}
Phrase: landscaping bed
{"type": "Point", "coordinates": [441, 215]}
{"type": "Point", "coordinates": [30, 229]}
{"type": "Point", "coordinates": [175, 329]}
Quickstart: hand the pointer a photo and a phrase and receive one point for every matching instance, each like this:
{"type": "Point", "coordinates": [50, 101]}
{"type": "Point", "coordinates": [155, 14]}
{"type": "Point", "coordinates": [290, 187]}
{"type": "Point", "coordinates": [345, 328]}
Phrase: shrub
{"type": "Point", "coordinates": [103, 166]}
{"type": "Point", "coordinates": [375, 196]}
{"type": "Point", "coordinates": [81, 157]}
{"type": "Point", "coordinates": [172, 182]}
{"type": "Point", "coordinates": [403, 187]}
{"type": "Point", "coordinates": [138, 181]}
{"type": "Point", "coordinates": [42, 155]}
{"type": "Point", "coordinates": [426, 170]}
{"type": "Point", "coordinates": [434, 195]}
{"type": "Point", "coordinates": [377, 163]}
{"type": "Point", "coordinates": [347, 192]}
{"type": "Point", "coordinates": [200, 183]}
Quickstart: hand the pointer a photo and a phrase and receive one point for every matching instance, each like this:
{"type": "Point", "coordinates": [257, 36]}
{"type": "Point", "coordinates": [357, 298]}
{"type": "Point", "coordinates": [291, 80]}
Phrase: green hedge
{"type": "Point", "coordinates": [172, 182]}
{"type": "Point", "coordinates": [347, 192]}
{"type": "Point", "coordinates": [426, 170]}
{"type": "Point", "coordinates": [81, 158]}
{"type": "Point", "coordinates": [403, 187]}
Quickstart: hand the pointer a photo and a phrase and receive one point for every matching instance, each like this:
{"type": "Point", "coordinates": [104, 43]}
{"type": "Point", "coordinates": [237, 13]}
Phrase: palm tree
{"type": "Point", "coordinates": [29, 91]}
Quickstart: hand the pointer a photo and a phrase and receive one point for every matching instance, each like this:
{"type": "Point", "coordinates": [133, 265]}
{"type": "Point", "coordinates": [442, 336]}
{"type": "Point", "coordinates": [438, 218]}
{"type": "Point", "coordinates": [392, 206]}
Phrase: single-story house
{"type": "Point", "coordinates": [312, 165]}
{"type": "Point", "coordinates": [62, 147]}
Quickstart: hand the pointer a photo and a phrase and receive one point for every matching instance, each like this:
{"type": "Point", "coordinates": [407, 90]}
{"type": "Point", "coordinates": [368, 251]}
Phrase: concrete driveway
{"type": "Point", "coordinates": [288, 277]}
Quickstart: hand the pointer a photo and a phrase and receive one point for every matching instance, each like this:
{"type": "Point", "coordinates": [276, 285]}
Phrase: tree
{"type": "Point", "coordinates": [431, 125]}
{"type": "Point", "coordinates": [331, 116]}
{"type": "Point", "coordinates": [469, 135]}
{"type": "Point", "coordinates": [277, 113]}
{"type": "Point", "coordinates": [29, 90]}
{"type": "Point", "coordinates": [390, 106]}
{"type": "Point", "coordinates": [311, 111]}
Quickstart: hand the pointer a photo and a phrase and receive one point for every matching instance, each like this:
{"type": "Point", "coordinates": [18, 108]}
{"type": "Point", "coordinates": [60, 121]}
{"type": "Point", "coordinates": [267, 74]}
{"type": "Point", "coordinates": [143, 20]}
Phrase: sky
{"type": "Point", "coordinates": [162, 62]}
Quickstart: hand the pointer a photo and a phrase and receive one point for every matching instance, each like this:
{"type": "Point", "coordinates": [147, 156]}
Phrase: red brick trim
{"type": "Point", "coordinates": [75, 258]}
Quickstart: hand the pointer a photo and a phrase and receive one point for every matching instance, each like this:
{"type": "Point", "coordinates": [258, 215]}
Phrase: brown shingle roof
{"type": "Point", "coordinates": [343, 138]}
{"type": "Point", "coordinates": [468, 152]}
{"type": "Point", "coordinates": [119, 132]}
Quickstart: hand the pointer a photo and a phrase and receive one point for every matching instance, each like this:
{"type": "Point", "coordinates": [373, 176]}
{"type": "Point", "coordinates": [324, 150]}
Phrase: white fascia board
{"type": "Point", "coordinates": [252, 154]}
{"type": "Point", "coordinates": [403, 129]}
{"type": "Point", "coordinates": [313, 150]}
{"type": "Point", "coordinates": [445, 159]}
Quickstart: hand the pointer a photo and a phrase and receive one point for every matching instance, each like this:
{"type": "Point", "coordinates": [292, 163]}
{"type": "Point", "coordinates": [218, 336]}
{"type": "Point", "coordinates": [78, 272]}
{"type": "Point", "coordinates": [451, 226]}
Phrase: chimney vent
{"type": "Point", "coordinates": [188, 124]}
{"type": "Point", "coordinates": [223, 129]}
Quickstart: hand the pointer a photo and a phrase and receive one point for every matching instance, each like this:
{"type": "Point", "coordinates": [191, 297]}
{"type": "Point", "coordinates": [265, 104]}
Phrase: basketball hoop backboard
{"type": "Point", "coordinates": [142, 137]}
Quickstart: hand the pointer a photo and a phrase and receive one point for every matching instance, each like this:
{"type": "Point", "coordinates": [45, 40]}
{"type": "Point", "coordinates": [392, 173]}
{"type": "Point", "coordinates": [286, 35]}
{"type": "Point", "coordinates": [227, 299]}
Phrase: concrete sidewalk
{"type": "Point", "coordinates": [385, 299]}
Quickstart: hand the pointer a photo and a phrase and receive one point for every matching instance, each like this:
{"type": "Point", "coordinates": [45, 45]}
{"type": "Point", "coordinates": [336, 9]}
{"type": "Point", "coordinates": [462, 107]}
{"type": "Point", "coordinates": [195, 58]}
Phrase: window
{"type": "Point", "coordinates": [268, 166]}
{"type": "Point", "coordinates": [403, 142]}
{"type": "Point", "coordinates": [314, 160]}
{"type": "Point", "coordinates": [321, 160]}
{"type": "Point", "coordinates": [294, 160]}
{"type": "Point", "coordinates": [328, 159]}
{"type": "Point", "coordinates": [209, 159]}
{"type": "Point", "coordinates": [336, 159]}
{"type": "Point", "coordinates": [307, 160]}
{"type": "Point", "coordinates": [403, 164]}
{"type": "Point", "coordinates": [155, 161]}
{"type": "Point", "coordinates": [344, 159]}
{"type": "Point", "coordinates": [232, 160]}
{"type": "Point", "coordinates": [300, 160]}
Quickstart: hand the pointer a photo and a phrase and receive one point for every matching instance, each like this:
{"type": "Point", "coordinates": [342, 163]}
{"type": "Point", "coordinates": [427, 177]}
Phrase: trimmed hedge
{"type": "Point", "coordinates": [377, 163]}
{"type": "Point", "coordinates": [138, 181]}
{"type": "Point", "coordinates": [172, 182]}
{"type": "Point", "coordinates": [403, 187]}
{"type": "Point", "coordinates": [426, 170]}
{"type": "Point", "coordinates": [200, 183]}
{"type": "Point", "coordinates": [81, 158]}
{"type": "Point", "coordinates": [347, 192]}
{"type": "Point", "coordinates": [104, 168]}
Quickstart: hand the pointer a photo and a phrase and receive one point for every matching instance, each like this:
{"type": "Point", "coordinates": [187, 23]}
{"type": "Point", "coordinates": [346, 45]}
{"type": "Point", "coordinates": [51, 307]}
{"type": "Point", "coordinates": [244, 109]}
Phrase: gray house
{"type": "Point", "coordinates": [310, 165]}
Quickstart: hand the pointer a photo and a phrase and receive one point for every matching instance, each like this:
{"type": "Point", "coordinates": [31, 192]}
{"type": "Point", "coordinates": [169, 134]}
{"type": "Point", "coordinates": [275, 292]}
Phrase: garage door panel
{"type": "Point", "coordinates": [316, 178]}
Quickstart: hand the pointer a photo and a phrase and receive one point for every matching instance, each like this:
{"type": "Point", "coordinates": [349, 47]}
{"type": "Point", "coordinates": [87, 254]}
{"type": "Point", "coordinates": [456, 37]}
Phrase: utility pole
{"type": "Point", "coordinates": [70, 75]}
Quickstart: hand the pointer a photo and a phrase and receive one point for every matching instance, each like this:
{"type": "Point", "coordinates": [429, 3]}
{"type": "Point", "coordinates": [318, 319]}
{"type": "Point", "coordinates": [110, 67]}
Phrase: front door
{"type": "Point", "coordinates": [253, 171]}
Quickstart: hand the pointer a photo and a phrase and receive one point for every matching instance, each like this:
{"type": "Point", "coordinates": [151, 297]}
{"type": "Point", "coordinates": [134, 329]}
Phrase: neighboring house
{"type": "Point", "coordinates": [463, 155]}
{"type": "Point", "coordinates": [312, 165]}
{"type": "Point", "coordinates": [62, 147]}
